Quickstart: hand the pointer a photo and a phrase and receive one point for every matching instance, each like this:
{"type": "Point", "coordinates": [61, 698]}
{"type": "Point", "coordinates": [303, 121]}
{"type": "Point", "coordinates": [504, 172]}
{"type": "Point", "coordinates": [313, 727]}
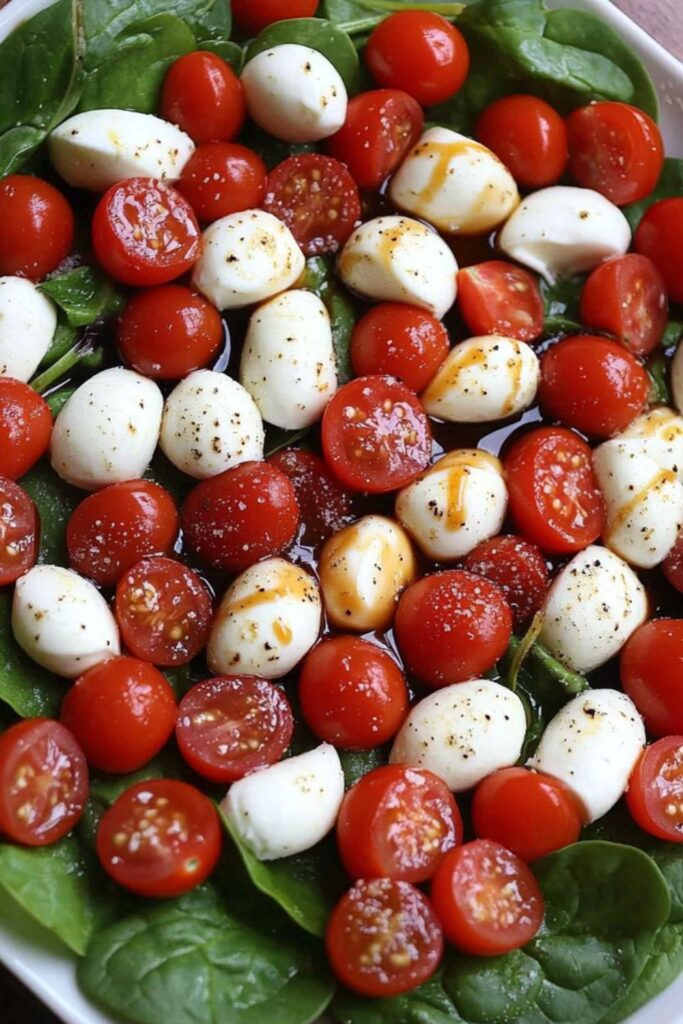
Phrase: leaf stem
{"type": "Point", "coordinates": [72, 358]}
{"type": "Point", "coordinates": [524, 649]}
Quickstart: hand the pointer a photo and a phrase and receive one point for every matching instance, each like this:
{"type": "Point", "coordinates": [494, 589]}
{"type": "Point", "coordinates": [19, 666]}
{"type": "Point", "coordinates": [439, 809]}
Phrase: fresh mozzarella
{"type": "Point", "coordinates": [455, 183]}
{"type": "Point", "coordinates": [267, 621]}
{"type": "Point", "coordinates": [363, 570]}
{"type": "Point", "coordinates": [565, 230]}
{"type": "Point", "coordinates": [62, 621]}
{"type": "Point", "coordinates": [398, 259]}
{"type": "Point", "coordinates": [459, 502]}
{"type": "Point", "coordinates": [97, 148]}
{"type": "Point", "coordinates": [463, 732]}
{"type": "Point", "coordinates": [661, 436]}
{"type": "Point", "coordinates": [677, 378]}
{"type": "Point", "coordinates": [108, 430]}
{"type": "Point", "coordinates": [295, 93]}
{"type": "Point", "coordinates": [592, 745]}
{"type": "Point", "coordinates": [247, 258]}
{"type": "Point", "coordinates": [27, 323]}
{"type": "Point", "coordinates": [592, 608]}
{"type": "Point", "coordinates": [288, 807]}
{"type": "Point", "coordinates": [288, 364]}
{"type": "Point", "coordinates": [210, 424]}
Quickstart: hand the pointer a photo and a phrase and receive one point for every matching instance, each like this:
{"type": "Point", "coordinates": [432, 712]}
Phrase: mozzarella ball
{"type": "Point", "coordinates": [459, 502]}
{"type": "Point", "coordinates": [677, 378]}
{"type": "Point", "coordinates": [27, 323]}
{"type": "Point", "coordinates": [463, 732]}
{"type": "Point", "coordinates": [210, 424]}
{"type": "Point", "coordinates": [565, 230]}
{"type": "Point", "coordinates": [268, 620]}
{"type": "Point", "coordinates": [592, 745]}
{"type": "Point", "coordinates": [97, 148]}
{"type": "Point", "coordinates": [363, 570]}
{"type": "Point", "coordinates": [661, 436]}
{"type": "Point", "coordinates": [288, 364]}
{"type": "Point", "coordinates": [62, 621]}
{"type": "Point", "coordinates": [108, 430]}
{"type": "Point", "coordinates": [396, 259]}
{"type": "Point", "coordinates": [246, 258]}
{"type": "Point", "coordinates": [592, 608]}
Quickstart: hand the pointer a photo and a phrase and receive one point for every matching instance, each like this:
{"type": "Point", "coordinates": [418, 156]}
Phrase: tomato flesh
{"type": "Point", "coordinates": [655, 790]}
{"type": "Point", "coordinates": [36, 227]}
{"type": "Point", "coordinates": [626, 296]}
{"type": "Point", "coordinates": [204, 97]}
{"type": "Point", "coordinates": [25, 427]}
{"type": "Point", "coordinates": [221, 178]}
{"type": "Point", "coordinates": [652, 674]}
{"type": "Point", "coordinates": [518, 568]}
{"type": "Point", "coordinates": [499, 298]}
{"type": "Point", "coordinates": [400, 341]}
{"type": "Point", "coordinates": [529, 136]}
{"type": "Point", "coordinates": [324, 505]}
{"type": "Point", "coordinates": [19, 532]}
{"type": "Point", "coordinates": [660, 237]}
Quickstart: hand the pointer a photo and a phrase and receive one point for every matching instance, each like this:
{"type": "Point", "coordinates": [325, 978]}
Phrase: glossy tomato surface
{"type": "Point", "coordinates": [36, 227]}
{"type": "Point", "coordinates": [25, 427]}
{"type": "Point", "coordinates": [324, 505]}
{"type": "Point", "coordinates": [652, 674]}
{"type": "Point", "coordinates": [529, 136]}
{"type": "Point", "coordinates": [627, 297]}
{"type": "Point", "coordinates": [19, 532]}
{"type": "Point", "coordinates": [497, 297]}
{"type": "Point", "coordinates": [655, 790]}
{"type": "Point", "coordinates": [400, 341]}
{"type": "Point", "coordinates": [221, 178]}
{"type": "Point", "coordinates": [518, 568]}
{"type": "Point", "coordinates": [254, 15]}
{"type": "Point", "coordinates": [672, 566]}
{"type": "Point", "coordinates": [660, 237]}
{"type": "Point", "coordinates": [204, 97]}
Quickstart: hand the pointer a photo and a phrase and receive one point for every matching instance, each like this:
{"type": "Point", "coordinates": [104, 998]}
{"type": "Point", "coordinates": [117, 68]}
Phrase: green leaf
{"type": "Point", "coordinates": [319, 35]}
{"type": "Point", "coordinates": [58, 399]}
{"type": "Point", "coordinates": [319, 278]}
{"type": "Point", "coordinates": [561, 302]}
{"type": "Point", "coordinates": [63, 340]}
{"type": "Point", "coordinates": [670, 186]}
{"type": "Point", "coordinates": [277, 438]}
{"type": "Point", "coordinates": [28, 689]}
{"type": "Point", "coordinates": [357, 763]}
{"type": "Point", "coordinates": [85, 295]}
{"type": "Point", "coordinates": [658, 370]}
{"type": "Point", "coordinates": [672, 335]}
{"type": "Point", "coordinates": [55, 501]}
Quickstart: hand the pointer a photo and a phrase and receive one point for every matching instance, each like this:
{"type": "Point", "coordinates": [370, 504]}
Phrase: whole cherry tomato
{"type": "Point", "coordinates": [204, 97]}
{"type": "Point", "coordinates": [221, 178]}
{"type": "Point", "coordinates": [529, 136]}
{"type": "Point", "coordinates": [25, 427]}
{"type": "Point", "coordinates": [401, 341]}
{"type": "Point", "coordinates": [36, 227]}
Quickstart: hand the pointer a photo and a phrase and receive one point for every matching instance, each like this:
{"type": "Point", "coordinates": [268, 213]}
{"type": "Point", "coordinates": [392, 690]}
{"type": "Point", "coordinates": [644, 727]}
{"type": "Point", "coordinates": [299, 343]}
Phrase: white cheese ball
{"type": "Point", "coordinates": [108, 430]}
{"type": "Point", "coordinates": [288, 364]}
{"type": "Point", "coordinates": [592, 745]}
{"type": "Point", "coordinates": [210, 424]}
{"type": "Point", "coordinates": [660, 432]}
{"type": "Point", "coordinates": [677, 378]}
{"type": "Point", "coordinates": [592, 608]}
{"type": "Point", "coordinates": [267, 622]}
{"type": "Point", "coordinates": [397, 259]}
{"type": "Point", "coordinates": [62, 621]}
{"type": "Point", "coordinates": [27, 323]}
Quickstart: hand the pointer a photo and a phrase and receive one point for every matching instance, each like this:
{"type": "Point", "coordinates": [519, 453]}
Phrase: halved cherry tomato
{"type": "Point", "coordinates": [43, 782]}
{"type": "Point", "coordinates": [324, 505]}
{"type": "Point", "coordinates": [253, 15]}
{"type": "Point", "coordinates": [518, 568]}
{"type": "Point", "coordinates": [19, 532]}
{"type": "Point", "coordinates": [36, 227]}
{"type": "Point", "coordinates": [660, 237]}
{"type": "Point", "coordinates": [204, 97]}
{"type": "Point", "coordinates": [402, 341]}
{"type": "Point", "coordinates": [144, 232]}
{"type": "Point", "coordinates": [529, 136]}
{"type": "Point", "coordinates": [160, 838]}
{"type": "Point", "coordinates": [376, 436]}
{"type": "Point", "coordinates": [655, 790]}
{"type": "Point", "coordinates": [221, 178]}
{"type": "Point", "coordinates": [499, 298]}
{"type": "Point", "coordinates": [652, 674]}
{"type": "Point", "coordinates": [626, 296]}
{"type": "Point", "coordinates": [672, 566]}
{"type": "Point", "coordinates": [233, 725]}
{"type": "Point", "coordinates": [383, 938]}
{"type": "Point", "coordinates": [25, 427]}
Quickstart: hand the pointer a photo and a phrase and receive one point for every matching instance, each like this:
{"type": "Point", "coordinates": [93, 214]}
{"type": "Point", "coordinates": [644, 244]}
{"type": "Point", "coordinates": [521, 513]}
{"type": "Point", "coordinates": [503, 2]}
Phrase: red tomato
{"type": "Point", "coordinates": [325, 506]}
{"type": "Point", "coordinates": [652, 674]}
{"type": "Point", "coordinates": [487, 899]}
{"type": "Point", "coordinates": [397, 822]}
{"type": "Point", "coordinates": [253, 15]}
{"type": "Point", "coordinates": [499, 298]}
{"type": "Point", "coordinates": [144, 232]}
{"type": "Point", "coordinates": [221, 178]}
{"type": "Point", "coordinates": [376, 436]}
{"type": "Point", "coordinates": [36, 227]}
{"type": "Point", "coordinates": [19, 532]}
{"type": "Point", "coordinates": [529, 136]}
{"type": "Point", "coordinates": [232, 726]}
{"type": "Point", "coordinates": [616, 149]}
{"type": "Point", "coordinates": [160, 838]}
{"type": "Point", "coordinates": [122, 713]}
{"type": "Point", "coordinates": [381, 126]}
{"type": "Point", "coordinates": [401, 341]}
{"type": "Point", "coordinates": [553, 496]}
{"type": "Point", "coordinates": [592, 384]}
{"type": "Point", "coordinates": [164, 612]}
{"type": "Point", "coordinates": [25, 427]}
{"type": "Point", "coordinates": [383, 938]}
{"type": "Point", "coordinates": [626, 296]}
{"type": "Point", "coordinates": [204, 97]}
{"type": "Point", "coordinates": [660, 237]}
{"type": "Point", "coordinates": [655, 790]}
{"type": "Point", "coordinates": [419, 52]}
{"type": "Point", "coordinates": [672, 565]}
{"type": "Point", "coordinates": [518, 568]}
{"type": "Point", "coordinates": [452, 626]}
{"type": "Point", "coordinates": [43, 782]}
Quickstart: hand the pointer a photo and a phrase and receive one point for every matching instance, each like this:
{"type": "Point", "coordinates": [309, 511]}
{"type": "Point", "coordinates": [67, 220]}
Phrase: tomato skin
{"type": "Point", "coordinates": [324, 505]}
{"type": "Point", "coordinates": [254, 15]}
{"type": "Point", "coordinates": [399, 341]}
{"type": "Point", "coordinates": [36, 227]}
{"type": "Point", "coordinates": [204, 97]}
{"type": "Point", "coordinates": [660, 237]}
{"type": "Point", "coordinates": [19, 532]}
{"type": "Point", "coordinates": [25, 427]}
{"type": "Point", "coordinates": [221, 178]}
{"type": "Point", "coordinates": [655, 790]}
{"type": "Point", "coordinates": [497, 297]}
{"type": "Point", "coordinates": [672, 566]}
{"type": "Point", "coordinates": [652, 674]}
{"type": "Point", "coordinates": [518, 568]}
{"type": "Point", "coordinates": [529, 136]}
{"type": "Point", "coordinates": [627, 297]}
{"type": "Point", "coordinates": [122, 712]}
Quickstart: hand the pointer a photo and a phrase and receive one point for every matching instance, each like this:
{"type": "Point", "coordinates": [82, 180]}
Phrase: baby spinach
{"type": "Point", "coordinates": [319, 35]}
{"type": "Point", "coordinates": [658, 372]}
{"type": "Point", "coordinates": [63, 339]}
{"type": "Point", "coordinates": [561, 302]}
{"type": "Point", "coordinates": [278, 438]}
{"type": "Point", "coordinates": [55, 501]}
{"type": "Point", "coordinates": [24, 686]}
{"type": "Point", "coordinates": [85, 295]}
{"type": "Point", "coordinates": [319, 278]}
{"type": "Point", "coordinates": [357, 763]}
{"type": "Point", "coordinates": [670, 185]}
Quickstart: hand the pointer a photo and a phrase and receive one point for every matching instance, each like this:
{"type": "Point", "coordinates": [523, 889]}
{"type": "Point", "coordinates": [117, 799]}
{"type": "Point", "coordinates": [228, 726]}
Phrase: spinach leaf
{"type": "Point", "coordinates": [63, 339]}
{"type": "Point", "coordinates": [28, 689]}
{"type": "Point", "coordinates": [278, 438]}
{"type": "Point", "coordinates": [561, 302]}
{"type": "Point", "coordinates": [55, 501]}
{"type": "Point", "coordinates": [670, 185]}
{"type": "Point", "coordinates": [658, 372]}
{"type": "Point", "coordinates": [357, 763]}
{"type": "Point", "coordinates": [85, 295]}
{"type": "Point", "coordinates": [553, 672]}
{"type": "Point", "coordinates": [319, 278]}
{"type": "Point", "coordinates": [319, 35]}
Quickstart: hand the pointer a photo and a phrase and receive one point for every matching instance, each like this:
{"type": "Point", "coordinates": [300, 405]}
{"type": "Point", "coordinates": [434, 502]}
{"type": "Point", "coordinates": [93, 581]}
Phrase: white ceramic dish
{"type": "Point", "coordinates": [29, 951]}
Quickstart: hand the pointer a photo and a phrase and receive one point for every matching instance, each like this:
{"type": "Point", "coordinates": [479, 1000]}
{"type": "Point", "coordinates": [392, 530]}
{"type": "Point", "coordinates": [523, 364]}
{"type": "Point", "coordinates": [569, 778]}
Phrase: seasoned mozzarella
{"type": "Point", "coordinates": [397, 259]}
{"type": "Point", "coordinates": [108, 430]}
{"type": "Point", "coordinates": [97, 148]}
{"type": "Point", "coordinates": [565, 230]}
{"type": "Point", "coordinates": [592, 608]}
{"type": "Point", "coordinates": [288, 807]}
{"type": "Point", "coordinates": [210, 424]}
{"type": "Point", "coordinates": [661, 436]}
{"type": "Point", "coordinates": [459, 502]}
{"type": "Point", "coordinates": [62, 621]}
{"type": "Point", "coordinates": [592, 745]}
{"type": "Point", "coordinates": [288, 364]}
{"type": "Point", "coordinates": [463, 732]}
{"type": "Point", "coordinates": [27, 323]}
{"type": "Point", "coordinates": [268, 620]}
{"type": "Point", "coordinates": [677, 378]}
{"type": "Point", "coordinates": [295, 93]}
{"type": "Point", "coordinates": [246, 258]}
{"type": "Point", "coordinates": [363, 570]}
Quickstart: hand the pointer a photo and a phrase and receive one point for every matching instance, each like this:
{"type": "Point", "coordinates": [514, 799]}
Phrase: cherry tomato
{"type": "Point", "coordinates": [122, 713]}
{"type": "Point", "coordinates": [401, 341]}
{"type": "Point", "coordinates": [499, 298]}
{"type": "Point", "coordinates": [36, 227]}
{"type": "Point", "coordinates": [232, 726]}
{"type": "Point", "coordinates": [452, 626]}
{"type": "Point", "coordinates": [160, 838]}
{"type": "Point", "coordinates": [221, 178]}
{"type": "Point", "coordinates": [553, 496]}
{"type": "Point", "coordinates": [144, 232]}
{"type": "Point", "coordinates": [419, 52]}
{"type": "Point", "coordinates": [204, 97]}
{"type": "Point", "coordinates": [324, 505]}
{"type": "Point", "coordinates": [19, 532]}
{"type": "Point", "coordinates": [518, 568]}
{"type": "Point", "coordinates": [164, 612]}
{"type": "Point", "coordinates": [43, 782]}
{"type": "Point", "coordinates": [25, 427]}
{"type": "Point", "coordinates": [626, 296]}
{"type": "Point", "coordinates": [615, 149]}
{"type": "Point", "coordinates": [529, 136]}
{"type": "Point", "coordinates": [254, 15]}
{"type": "Point", "coordinates": [672, 565]}
{"type": "Point", "coordinates": [397, 822]}
{"type": "Point", "coordinates": [381, 127]}
{"type": "Point", "coordinates": [652, 674]}
{"type": "Point", "coordinates": [383, 938]}
{"type": "Point", "coordinates": [660, 237]}
{"type": "Point", "coordinates": [376, 436]}
{"type": "Point", "coordinates": [655, 790]}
